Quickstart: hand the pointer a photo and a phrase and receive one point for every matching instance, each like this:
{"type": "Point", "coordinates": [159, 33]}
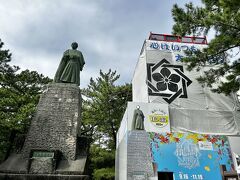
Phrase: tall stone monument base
{"type": "Point", "coordinates": [133, 157]}
{"type": "Point", "coordinates": [52, 146]}
{"type": "Point", "coordinates": [139, 161]}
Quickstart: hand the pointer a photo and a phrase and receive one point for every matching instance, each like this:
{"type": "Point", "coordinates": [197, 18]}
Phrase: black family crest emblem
{"type": "Point", "coordinates": [167, 80]}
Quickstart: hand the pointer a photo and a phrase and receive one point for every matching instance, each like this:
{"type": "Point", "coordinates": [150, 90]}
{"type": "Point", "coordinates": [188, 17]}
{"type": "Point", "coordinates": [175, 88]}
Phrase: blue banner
{"type": "Point", "coordinates": [190, 156]}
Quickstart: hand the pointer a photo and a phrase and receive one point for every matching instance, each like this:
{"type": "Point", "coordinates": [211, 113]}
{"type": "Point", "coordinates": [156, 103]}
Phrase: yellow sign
{"type": "Point", "coordinates": [158, 119]}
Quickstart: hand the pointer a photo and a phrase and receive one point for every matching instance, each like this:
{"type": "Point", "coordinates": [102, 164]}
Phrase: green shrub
{"type": "Point", "coordinates": [104, 174]}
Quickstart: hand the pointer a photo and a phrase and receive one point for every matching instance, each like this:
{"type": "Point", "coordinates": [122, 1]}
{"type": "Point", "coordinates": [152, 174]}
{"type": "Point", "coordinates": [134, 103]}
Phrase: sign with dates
{"type": "Point", "coordinates": [205, 146]}
{"type": "Point", "coordinates": [181, 154]}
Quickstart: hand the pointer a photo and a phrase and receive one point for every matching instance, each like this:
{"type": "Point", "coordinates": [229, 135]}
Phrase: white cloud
{"type": "Point", "coordinates": [110, 33]}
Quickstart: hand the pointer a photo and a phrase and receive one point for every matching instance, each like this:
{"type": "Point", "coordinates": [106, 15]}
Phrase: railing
{"type": "Point", "coordinates": [175, 38]}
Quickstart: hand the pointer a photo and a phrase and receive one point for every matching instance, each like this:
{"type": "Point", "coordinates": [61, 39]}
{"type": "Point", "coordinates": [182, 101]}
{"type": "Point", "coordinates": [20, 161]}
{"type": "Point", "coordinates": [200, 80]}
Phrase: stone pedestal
{"type": "Point", "coordinates": [52, 147]}
{"type": "Point", "coordinates": [55, 125]}
{"type": "Point", "coordinates": [42, 166]}
{"type": "Point", "coordinates": [139, 161]}
{"type": "Point", "coordinates": [42, 177]}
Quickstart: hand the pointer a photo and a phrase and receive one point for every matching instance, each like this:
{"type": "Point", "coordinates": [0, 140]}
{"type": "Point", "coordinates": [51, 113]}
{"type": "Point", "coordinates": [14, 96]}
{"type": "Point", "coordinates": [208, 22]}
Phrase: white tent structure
{"type": "Point", "coordinates": [201, 110]}
{"type": "Point", "coordinates": [162, 87]}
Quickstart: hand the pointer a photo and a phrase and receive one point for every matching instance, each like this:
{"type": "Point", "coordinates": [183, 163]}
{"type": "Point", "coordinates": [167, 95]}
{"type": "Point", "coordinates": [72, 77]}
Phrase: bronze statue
{"type": "Point", "coordinates": [138, 119]}
{"type": "Point", "coordinates": [70, 66]}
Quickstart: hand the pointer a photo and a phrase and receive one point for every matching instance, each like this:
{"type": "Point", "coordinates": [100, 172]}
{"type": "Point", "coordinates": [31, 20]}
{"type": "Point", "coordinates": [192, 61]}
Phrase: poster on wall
{"type": "Point", "coordinates": [152, 117]}
{"type": "Point", "coordinates": [190, 156]}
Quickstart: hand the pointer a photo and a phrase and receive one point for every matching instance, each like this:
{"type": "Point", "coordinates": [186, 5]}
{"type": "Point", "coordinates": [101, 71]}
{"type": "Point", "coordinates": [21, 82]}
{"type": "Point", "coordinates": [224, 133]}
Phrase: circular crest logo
{"type": "Point", "coordinates": [158, 118]}
{"type": "Point", "coordinates": [167, 80]}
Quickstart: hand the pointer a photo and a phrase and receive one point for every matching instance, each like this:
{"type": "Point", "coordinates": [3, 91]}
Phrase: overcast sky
{"type": "Point", "coordinates": [110, 33]}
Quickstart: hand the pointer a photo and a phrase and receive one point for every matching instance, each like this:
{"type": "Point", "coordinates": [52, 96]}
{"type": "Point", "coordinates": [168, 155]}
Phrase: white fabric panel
{"type": "Point", "coordinates": [123, 128]}
{"type": "Point", "coordinates": [203, 121]}
{"type": "Point", "coordinates": [236, 115]}
{"type": "Point", "coordinates": [121, 159]}
{"type": "Point", "coordinates": [234, 144]}
{"type": "Point", "coordinates": [202, 112]}
{"type": "Point", "coordinates": [219, 101]}
{"type": "Point", "coordinates": [153, 56]}
{"type": "Point", "coordinates": [196, 93]}
{"type": "Point", "coordinates": [139, 86]}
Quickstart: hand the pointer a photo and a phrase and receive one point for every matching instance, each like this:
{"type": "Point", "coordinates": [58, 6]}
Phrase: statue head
{"type": "Point", "coordinates": [74, 45]}
{"type": "Point", "coordinates": [138, 107]}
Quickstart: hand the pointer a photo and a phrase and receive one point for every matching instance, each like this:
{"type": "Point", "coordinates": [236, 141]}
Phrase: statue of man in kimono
{"type": "Point", "coordinates": [138, 119]}
{"type": "Point", "coordinates": [70, 66]}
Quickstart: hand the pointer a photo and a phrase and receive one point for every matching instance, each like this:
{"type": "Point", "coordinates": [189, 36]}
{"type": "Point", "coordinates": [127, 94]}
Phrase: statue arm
{"type": "Point", "coordinates": [143, 115]}
{"type": "Point", "coordinates": [81, 61]}
{"type": "Point", "coordinates": [61, 67]}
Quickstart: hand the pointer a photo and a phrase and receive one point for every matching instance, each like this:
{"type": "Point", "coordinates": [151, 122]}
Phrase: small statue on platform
{"type": "Point", "coordinates": [70, 66]}
{"type": "Point", "coordinates": [138, 119]}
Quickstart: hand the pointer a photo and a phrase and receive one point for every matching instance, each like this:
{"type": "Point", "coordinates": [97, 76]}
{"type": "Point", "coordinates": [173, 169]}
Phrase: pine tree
{"type": "Point", "coordinates": [223, 17]}
{"type": "Point", "coordinates": [19, 95]}
{"type": "Point", "coordinates": [103, 107]}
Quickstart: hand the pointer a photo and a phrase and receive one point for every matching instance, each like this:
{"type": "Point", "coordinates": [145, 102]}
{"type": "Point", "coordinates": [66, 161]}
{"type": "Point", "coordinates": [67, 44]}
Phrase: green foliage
{"type": "Point", "coordinates": [4, 143]}
{"type": "Point", "coordinates": [222, 16]}
{"type": "Point", "coordinates": [103, 108]}
{"type": "Point", "coordinates": [104, 174]}
{"type": "Point", "coordinates": [102, 163]}
{"type": "Point", "coordinates": [19, 95]}
{"type": "Point", "coordinates": [101, 157]}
